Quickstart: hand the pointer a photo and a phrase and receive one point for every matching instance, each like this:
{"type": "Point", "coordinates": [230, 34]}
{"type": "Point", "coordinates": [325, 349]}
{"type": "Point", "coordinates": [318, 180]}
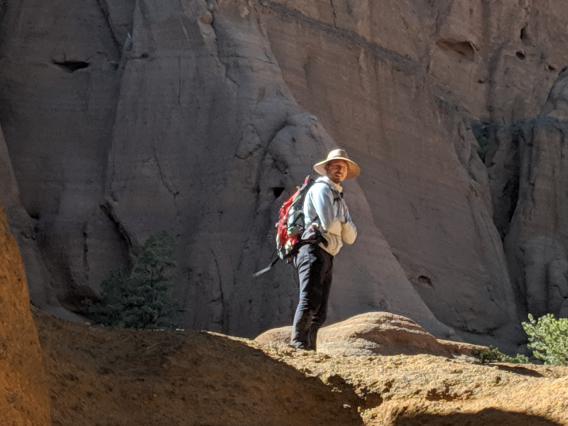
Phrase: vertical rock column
{"type": "Point", "coordinates": [537, 239]}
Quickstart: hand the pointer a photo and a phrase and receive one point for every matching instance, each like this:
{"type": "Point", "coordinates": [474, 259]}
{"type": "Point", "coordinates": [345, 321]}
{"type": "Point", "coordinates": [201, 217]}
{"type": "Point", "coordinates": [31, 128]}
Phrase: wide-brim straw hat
{"type": "Point", "coordinates": [353, 169]}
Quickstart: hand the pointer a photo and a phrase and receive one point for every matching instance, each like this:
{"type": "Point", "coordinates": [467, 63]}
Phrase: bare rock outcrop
{"type": "Point", "coordinates": [375, 333]}
{"type": "Point", "coordinates": [126, 377]}
{"type": "Point", "coordinates": [23, 383]}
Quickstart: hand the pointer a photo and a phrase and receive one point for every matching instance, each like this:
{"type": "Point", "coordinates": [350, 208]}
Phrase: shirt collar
{"type": "Point", "coordinates": [331, 183]}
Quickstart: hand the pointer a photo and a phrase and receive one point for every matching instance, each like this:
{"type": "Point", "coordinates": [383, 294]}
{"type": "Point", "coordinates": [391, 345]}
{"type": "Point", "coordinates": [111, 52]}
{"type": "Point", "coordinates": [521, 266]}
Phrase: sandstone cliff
{"type": "Point", "coordinates": [199, 117]}
{"type": "Point", "coordinates": [23, 383]}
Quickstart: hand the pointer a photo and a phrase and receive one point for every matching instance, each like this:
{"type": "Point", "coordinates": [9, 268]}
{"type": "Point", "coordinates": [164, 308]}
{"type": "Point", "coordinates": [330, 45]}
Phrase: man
{"type": "Point", "coordinates": [326, 216]}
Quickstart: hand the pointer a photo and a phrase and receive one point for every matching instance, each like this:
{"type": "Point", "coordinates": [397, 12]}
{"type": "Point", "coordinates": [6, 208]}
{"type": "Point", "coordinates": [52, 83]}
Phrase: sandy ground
{"type": "Point", "coordinates": [120, 377]}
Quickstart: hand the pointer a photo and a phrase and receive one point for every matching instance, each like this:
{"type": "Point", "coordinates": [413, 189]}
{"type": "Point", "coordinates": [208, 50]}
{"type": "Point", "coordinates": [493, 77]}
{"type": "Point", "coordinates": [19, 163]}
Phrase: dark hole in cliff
{"type": "Point", "coordinates": [277, 191]}
{"type": "Point", "coordinates": [423, 279]}
{"type": "Point", "coordinates": [465, 49]}
{"type": "Point", "coordinates": [71, 66]}
{"type": "Point", "coordinates": [551, 67]}
{"type": "Point", "coordinates": [520, 54]}
{"type": "Point", "coordinates": [524, 36]}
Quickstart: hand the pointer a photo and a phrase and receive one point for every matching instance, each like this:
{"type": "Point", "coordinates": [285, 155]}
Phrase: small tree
{"type": "Point", "coordinates": [140, 297]}
{"type": "Point", "coordinates": [548, 338]}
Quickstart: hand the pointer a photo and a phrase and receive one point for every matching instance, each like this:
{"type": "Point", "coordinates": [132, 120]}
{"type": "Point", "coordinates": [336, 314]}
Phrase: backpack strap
{"type": "Point", "coordinates": [337, 196]}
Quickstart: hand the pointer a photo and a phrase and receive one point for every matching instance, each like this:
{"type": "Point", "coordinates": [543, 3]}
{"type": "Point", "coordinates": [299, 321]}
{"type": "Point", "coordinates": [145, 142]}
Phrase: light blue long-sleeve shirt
{"type": "Point", "coordinates": [324, 205]}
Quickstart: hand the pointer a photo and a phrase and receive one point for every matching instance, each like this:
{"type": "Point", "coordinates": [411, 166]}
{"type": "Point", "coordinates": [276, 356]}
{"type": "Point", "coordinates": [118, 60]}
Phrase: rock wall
{"type": "Point", "coordinates": [537, 235]}
{"type": "Point", "coordinates": [23, 384]}
{"type": "Point", "coordinates": [408, 86]}
{"type": "Point", "coordinates": [199, 118]}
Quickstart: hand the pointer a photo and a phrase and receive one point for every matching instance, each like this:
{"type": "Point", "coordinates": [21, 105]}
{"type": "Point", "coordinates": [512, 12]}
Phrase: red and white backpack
{"type": "Point", "coordinates": [290, 225]}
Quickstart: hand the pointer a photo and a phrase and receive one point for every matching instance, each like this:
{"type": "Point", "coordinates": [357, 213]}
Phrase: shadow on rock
{"type": "Point", "coordinates": [485, 417]}
{"type": "Point", "coordinates": [519, 370]}
{"type": "Point", "coordinates": [103, 376]}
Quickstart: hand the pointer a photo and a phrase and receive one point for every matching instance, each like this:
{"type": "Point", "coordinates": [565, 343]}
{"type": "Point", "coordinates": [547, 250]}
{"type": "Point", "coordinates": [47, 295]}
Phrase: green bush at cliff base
{"type": "Point", "coordinates": [548, 338]}
{"type": "Point", "coordinates": [140, 297]}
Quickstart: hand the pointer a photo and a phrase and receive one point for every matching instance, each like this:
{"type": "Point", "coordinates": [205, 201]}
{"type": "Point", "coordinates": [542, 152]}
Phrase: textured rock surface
{"type": "Point", "coordinates": [424, 389]}
{"type": "Point", "coordinates": [199, 117]}
{"type": "Point", "coordinates": [406, 85]}
{"type": "Point", "coordinates": [201, 135]}
{"type": "Point", "coordinates": [380, 333]}
{"type": "Point", "coordinates": [538, 233]}
{"type": "Point", "coordinates": [375, 333]}
{"type": "Point", "coordinates": [41, 290]}
{"type": "Point", "coordinates": [174, 378]}
{"type": "Point", "coordinates": [23, 383]}
{"type": "Point", "coordinates": [124, 377]}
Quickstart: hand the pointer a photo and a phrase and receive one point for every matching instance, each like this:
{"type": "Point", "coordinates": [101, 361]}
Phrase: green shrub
{"type": "Point", "coordinates": [548, 338]}
{"type": "Point", "coordinates": [140, 297]}
{"type": "Point", "coordinates": [492, 354]}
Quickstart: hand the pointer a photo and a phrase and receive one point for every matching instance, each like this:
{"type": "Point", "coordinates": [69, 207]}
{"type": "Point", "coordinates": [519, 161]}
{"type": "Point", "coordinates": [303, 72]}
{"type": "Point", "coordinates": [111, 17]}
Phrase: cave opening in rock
{"type": "Point", "coordinates": [524, 34]}
{"type": "Point", "coordinates": [277, 191]}
{"type": "Point", "coordinates": [71, 66]}
{"type": "Point", "coordinates": [423, 279]}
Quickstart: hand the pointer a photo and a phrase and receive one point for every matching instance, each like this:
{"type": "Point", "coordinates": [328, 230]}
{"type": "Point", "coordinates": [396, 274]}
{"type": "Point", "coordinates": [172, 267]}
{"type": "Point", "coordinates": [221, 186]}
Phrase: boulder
{"type": "Point", "coordinates": [375, 333]}
{"type": "Point", "coordinates": [378, 333]}
{"type": "Point", "coordinates": [277, 336]}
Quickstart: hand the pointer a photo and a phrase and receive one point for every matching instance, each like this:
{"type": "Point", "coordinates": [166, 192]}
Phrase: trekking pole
{"type": "Point", "coordinates": [268, 268]}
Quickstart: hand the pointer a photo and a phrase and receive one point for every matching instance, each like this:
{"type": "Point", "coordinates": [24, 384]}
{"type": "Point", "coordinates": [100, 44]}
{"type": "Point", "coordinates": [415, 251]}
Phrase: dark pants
{"type": "Point", "coordinates": [314, 267]}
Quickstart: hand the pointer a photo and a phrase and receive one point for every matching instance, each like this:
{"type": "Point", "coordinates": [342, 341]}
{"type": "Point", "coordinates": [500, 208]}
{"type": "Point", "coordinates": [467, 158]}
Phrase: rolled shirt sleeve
{"type": "Point", "coordinates": [349, 232]}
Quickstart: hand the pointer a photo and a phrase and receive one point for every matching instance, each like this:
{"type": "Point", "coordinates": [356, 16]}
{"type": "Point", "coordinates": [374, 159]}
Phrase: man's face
{"type": "Point", "coordinates": [337, 170]}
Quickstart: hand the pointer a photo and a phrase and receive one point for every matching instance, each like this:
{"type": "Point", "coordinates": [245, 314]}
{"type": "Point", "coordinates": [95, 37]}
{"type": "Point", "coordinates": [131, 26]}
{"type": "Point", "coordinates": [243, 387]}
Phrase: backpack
{"type": "Point", "coordinates": [291, 223]}
{"type": "Point", "coordinates": [290, 226]}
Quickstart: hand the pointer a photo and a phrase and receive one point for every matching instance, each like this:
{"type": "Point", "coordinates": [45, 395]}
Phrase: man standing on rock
{"type": "Point", "coordinates": [325, 214]}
